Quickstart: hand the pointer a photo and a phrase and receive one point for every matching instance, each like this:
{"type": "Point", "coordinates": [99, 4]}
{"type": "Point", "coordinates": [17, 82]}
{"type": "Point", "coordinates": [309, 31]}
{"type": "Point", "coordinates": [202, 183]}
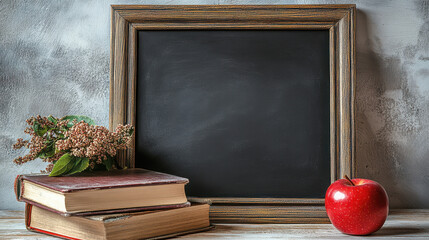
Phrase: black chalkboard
{"type": "Point", "coordinates": [241, 113]}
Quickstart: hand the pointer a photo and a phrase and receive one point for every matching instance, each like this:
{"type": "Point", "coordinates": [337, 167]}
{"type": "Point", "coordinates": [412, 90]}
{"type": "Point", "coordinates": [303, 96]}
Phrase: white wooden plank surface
{"type": "Point", "coordinates": [401, 224]}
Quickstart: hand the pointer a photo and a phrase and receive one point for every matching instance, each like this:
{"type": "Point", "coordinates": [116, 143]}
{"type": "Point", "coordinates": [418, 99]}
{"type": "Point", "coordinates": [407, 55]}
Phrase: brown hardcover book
{"type": "Point", "coordinates": [103, 192]}
{"type": "Point", "coordinates": [139, 225]}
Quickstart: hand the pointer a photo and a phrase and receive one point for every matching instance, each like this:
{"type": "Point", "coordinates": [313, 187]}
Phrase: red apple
{"type": "Point", "coordinates": [357, 206]}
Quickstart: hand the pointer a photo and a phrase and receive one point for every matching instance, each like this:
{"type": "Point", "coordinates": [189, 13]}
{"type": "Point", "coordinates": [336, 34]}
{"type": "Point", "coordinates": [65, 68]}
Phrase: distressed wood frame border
{"type": "Point", "coordinates": [127, 20]}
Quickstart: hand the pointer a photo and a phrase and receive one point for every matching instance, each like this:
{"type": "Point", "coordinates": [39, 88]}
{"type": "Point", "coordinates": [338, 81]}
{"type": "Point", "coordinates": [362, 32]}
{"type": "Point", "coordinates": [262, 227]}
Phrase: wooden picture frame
{"type": "Point", "coordinates": [127, 20]}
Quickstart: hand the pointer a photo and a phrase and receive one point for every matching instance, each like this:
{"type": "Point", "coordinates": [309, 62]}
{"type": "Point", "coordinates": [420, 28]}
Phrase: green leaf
{"type": "Point", "coordinates": [48, 151]}
{"type": "Point", "coordinates": [109, 162]}
{"type": "Point", "coordinates": [80, 165]}
{"type": "Point", "coordinates": [52, 120]}
{"type": "Point", "coordinates": [63, 165]}
{"type": "Point", "coordinates": [78, 119]}
{"type": "Point", "coordinates": [38, 129]}
{"type": "Point", "coordinates": [36, 126]}
{"type": "Point", "coordinates": [131, 131]}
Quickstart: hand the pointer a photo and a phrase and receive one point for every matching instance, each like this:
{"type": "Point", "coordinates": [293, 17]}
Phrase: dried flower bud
{"type": "Point", "coordinates": [20, 143]}
{"type": "Point", "coordinates": [96, 143]}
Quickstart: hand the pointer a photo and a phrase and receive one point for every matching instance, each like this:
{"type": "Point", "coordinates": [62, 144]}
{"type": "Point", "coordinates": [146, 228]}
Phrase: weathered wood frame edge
{"type": "Point", "coordinates": [127, 20]}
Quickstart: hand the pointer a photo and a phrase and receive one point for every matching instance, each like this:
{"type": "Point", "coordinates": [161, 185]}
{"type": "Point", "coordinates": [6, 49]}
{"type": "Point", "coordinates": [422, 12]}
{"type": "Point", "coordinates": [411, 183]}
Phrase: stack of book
{"type": "Point", "coordinates": [119, 204]}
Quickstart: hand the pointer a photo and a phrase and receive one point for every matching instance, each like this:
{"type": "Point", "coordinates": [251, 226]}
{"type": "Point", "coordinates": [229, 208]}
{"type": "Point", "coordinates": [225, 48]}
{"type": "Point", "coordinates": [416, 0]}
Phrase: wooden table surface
{"type": "Point", "coordinates": [401, 224]}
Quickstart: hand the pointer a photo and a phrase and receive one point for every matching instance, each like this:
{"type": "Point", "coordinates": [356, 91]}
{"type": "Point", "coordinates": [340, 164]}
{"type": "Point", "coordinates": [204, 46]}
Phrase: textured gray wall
{"type": "Point", "coordinates": [54, 59]}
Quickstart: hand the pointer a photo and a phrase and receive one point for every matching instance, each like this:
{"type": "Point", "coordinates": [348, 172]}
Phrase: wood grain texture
{"type": "Point", "coordinates": [118, 83]}
{"type": "Point", "coordinates": [257, 201]}
{"type": "Point", "coordinates": [339, 19]}
{"type": "Point", "coordinates": [401, 224]}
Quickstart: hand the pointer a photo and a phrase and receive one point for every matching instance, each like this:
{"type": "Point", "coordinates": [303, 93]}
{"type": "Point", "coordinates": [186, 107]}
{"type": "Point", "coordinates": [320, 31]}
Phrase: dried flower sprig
{"type": "Point", "coordinates": [72, 144]}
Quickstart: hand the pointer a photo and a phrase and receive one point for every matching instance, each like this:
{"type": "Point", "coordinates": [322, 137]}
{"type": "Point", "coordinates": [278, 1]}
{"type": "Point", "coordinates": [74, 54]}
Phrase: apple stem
{"type": "Point", "coordinates": [348, 179]}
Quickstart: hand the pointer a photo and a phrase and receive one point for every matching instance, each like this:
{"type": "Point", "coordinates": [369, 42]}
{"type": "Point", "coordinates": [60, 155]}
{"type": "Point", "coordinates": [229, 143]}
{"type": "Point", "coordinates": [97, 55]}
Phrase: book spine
{"type": "Point", "coordinates": [28, 211]}
{"type": "Point", "coordinates": [28, 208]}
{"type": "Point", "coordinates": [18, 187]}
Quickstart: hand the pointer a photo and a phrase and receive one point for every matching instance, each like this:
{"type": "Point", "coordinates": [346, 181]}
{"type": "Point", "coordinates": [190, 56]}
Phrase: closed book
{"type": "Point", "coordinates": [139, 225]}
{"type": "Point", "coordinates": [102, 192]}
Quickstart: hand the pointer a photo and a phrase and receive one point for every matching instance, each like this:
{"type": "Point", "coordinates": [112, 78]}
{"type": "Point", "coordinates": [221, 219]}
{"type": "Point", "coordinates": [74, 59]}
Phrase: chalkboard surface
{"type": "Point", "coordinates": [241, 113]}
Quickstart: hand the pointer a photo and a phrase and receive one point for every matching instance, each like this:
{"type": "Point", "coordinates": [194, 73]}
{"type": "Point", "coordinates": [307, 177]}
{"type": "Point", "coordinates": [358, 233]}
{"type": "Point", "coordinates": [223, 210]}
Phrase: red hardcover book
{"type": "Point", "coordinates": [157, 224]}
{"type": "Point", "coordinates": [103, 192]}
